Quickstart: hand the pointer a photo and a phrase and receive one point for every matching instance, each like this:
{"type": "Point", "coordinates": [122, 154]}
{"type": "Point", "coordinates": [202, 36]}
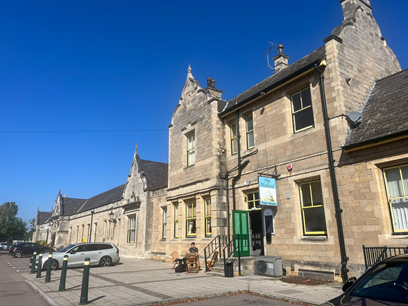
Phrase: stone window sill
{"type": "Point", "coordinates": [314, 238]}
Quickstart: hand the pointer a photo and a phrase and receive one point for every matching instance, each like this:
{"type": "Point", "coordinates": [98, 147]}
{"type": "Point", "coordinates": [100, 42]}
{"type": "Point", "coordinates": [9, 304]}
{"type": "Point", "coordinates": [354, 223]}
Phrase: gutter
{"type": "Point", "coordinates": [338, 210]}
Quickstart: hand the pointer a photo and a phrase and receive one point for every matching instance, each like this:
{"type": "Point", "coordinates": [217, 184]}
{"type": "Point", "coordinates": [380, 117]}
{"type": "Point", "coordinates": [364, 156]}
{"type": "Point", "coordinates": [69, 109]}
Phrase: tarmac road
{"type": "Point", "coordinates": [13, 288]}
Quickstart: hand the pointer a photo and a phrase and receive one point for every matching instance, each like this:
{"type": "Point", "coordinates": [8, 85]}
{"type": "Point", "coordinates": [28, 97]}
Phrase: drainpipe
{"type": "Point", "coordinates": [90, 230]}
{"type": "Point", "coordinates": [343, 254]}
{"type": "Point", "coordinates": [239, 162]}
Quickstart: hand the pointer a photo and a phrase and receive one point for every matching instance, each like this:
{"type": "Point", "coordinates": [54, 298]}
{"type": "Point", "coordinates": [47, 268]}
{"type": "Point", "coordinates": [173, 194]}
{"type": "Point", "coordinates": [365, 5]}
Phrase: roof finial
{"type": "Point", "coordinates": [59, 192]}
{"type": "Point", "coordinates": [136, 148]}
{"type": "Point", "coordinates": [189, 68]}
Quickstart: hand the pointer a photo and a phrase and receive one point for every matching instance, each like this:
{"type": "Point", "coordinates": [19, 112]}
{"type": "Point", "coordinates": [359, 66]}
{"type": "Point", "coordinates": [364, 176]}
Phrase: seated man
{"type": "Point", "coordinates": [193, 249]}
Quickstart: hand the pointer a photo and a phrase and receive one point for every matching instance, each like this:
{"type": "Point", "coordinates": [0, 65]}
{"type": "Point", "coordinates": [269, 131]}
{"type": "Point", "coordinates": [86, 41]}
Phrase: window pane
{"type": "Point", "coordinates": [317, 193]}
{"type": "Point", "coordinates": [250, 125]}
{"type": "Point", "coordinates": [234, 146]}
{"type": "Point", "coordinates": [394, 183]}
{"type": "Point", "coordinates": [314, 219]}
{"type": "Point", "coordinates": [303, 119]}
{"type": "Point", "coordinates": [306, 98]}
{"type": "Point", "coordinates": [191, 227]}
{"type": "Point", "coordinates": [250, 140]}
{"type": "Point", "coordinates": [233, 130]}
{"type": "Point", "coordinates": [404, 171]}
{"type": "Point", "coordinates": [306, 196]}
{"type": "Point", "coordinates": [296, 102]}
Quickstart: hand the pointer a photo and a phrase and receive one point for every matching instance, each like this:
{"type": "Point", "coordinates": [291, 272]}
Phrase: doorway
{"type": "Point", "coordinates": [257, 233]}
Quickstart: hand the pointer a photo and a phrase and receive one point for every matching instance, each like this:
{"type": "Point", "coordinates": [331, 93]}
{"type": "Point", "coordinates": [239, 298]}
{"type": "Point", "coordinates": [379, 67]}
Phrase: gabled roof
{"type": "Point", "coordinates": [385, 114]}
{"type": "Point", "coordinates": [43, 217]}
{"type": "Point", "coordinates": [156, 173]}
{"type": "Point", "coordinates": [277, 79]}
{"type": "Point", "coordinates": [104, 198]}
{"type": "Point", "coordinates": [71, 205]}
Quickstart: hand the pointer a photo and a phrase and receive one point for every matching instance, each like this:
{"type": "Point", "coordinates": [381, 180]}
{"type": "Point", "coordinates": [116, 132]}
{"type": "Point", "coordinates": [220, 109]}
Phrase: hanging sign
{"type": "Point", "coordinates": [267, 191]}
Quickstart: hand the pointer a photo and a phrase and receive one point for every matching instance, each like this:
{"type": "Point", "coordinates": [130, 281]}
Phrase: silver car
{"type": "Point", "coordinates": [102, 254]}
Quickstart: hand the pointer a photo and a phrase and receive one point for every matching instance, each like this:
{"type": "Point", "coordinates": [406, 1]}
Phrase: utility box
{"type": "Point", "coordinates": [269, 266]}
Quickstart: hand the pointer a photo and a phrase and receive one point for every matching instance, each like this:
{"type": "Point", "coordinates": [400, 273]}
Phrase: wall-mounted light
{"type": "Point", "coordinates": [112, 217]}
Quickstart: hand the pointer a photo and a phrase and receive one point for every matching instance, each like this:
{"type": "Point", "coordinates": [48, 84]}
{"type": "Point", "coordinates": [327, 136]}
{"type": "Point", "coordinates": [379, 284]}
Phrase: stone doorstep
{"type": "Point", "coordinates": [247, 267]}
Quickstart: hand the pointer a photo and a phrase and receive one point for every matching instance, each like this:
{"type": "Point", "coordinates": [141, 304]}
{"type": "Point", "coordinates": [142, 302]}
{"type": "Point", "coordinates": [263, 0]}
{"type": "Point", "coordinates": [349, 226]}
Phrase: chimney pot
{"type": "Point", "coordinates": [281, 60]}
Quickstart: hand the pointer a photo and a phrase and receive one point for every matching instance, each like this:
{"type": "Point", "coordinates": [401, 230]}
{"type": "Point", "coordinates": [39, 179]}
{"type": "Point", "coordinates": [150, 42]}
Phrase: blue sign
{"type": "Point", "coordinates": [267, 191]}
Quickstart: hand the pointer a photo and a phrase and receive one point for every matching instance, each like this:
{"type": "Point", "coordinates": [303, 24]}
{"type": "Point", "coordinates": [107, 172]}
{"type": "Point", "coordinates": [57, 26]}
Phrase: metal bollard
{"type": "Point", "coordinates": [48, 275]}
{"type": "Point", "coordinates": [33, 263]}
{"type": "Point", "coordinates": [85, 283]}
{"type": "Point", "coordinates": [63, 274]}
{"type": "Point", "coordinates": [39, 266]}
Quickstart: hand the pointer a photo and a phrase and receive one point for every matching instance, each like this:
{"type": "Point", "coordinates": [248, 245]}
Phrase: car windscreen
{"type": "Point", "coordinates": [388, 281]}
{"type": "Point", "coordinates": [66, 248]}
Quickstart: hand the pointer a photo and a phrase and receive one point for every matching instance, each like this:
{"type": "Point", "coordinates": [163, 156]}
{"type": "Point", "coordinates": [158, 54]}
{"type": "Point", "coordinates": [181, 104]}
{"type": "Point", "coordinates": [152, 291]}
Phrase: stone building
{"type": "Point", "coordinates": [294, 127]}
{"type": "Point", "coordinates": [122, 215]}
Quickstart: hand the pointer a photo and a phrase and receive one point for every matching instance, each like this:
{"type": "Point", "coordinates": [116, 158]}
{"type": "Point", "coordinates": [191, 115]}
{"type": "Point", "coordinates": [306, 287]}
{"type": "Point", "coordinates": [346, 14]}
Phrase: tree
{"type": "Point", "coordinates": [11, 227]}
{"type": "Point", "coordinates": [31, 229]}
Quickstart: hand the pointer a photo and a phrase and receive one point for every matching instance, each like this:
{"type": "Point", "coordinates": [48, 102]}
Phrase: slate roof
{"type": "Point", "coordinates": [43, 217]}
{"type": "Point", "coordinates": [277, 79]}
{"type": "Point", "coordinates": [104, 198]}
{"type": "Point", "coordinates": [385, 114]}
{"type": "Point", "coordinates": [156, 173]}
{"type": "Point", "coordinates": [71, 205]}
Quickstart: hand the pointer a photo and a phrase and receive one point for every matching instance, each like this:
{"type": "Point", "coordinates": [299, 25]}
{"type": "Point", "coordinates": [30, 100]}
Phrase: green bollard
{"type": "Point", "coordinates": [33, 263]}
{"type": "Point", "coordinates": [48, 275]}
{"type": "Point", "coordinates": [39, 265]}
{"type": "Point", "coordinates": [85, 283]}
{"type": "Point", "coordinates": [63, 273]}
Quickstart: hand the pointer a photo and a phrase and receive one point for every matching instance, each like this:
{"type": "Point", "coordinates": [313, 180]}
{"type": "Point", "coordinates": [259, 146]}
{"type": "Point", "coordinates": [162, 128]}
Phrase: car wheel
{"type": "Point", "coordinates": [18, 254]}
{"type": "Point", "coordinates": [54, 265]}
{"type": "Point", "coordinates": [105, 261]}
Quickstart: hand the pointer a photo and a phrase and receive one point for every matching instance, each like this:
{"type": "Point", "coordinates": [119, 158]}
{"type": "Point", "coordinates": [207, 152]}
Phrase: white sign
{"type": "Point", "coordinates": [267, 191]}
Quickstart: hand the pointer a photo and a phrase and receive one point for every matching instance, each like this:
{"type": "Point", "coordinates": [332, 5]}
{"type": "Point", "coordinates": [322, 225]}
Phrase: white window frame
{"type": "Point", "coordinates": [131, 229]}
{"type": "Point", "coordinates": [191, 149]}
{"type": "Point", "coordinates": [250, 131]}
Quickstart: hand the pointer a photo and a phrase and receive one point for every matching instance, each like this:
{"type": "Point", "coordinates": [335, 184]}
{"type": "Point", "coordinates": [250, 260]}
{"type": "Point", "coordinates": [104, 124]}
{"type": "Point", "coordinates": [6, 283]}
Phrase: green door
{"type": "Point", "coordinates": [240, 232]}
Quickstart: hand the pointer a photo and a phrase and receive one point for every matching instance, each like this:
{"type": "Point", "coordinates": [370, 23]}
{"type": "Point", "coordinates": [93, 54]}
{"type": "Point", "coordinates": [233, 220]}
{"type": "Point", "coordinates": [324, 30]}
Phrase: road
{"type": "Point", "coordinates": [13, 288]}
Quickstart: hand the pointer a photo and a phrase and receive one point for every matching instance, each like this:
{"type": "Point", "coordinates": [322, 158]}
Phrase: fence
{"type": "Point", "coordinates": [373, 255]}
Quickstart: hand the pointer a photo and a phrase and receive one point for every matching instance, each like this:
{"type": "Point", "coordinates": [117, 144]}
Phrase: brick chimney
{"type": "Point", "coordinates": [349, 6]}
{"type": "Point", "coordinates": [281, 60]}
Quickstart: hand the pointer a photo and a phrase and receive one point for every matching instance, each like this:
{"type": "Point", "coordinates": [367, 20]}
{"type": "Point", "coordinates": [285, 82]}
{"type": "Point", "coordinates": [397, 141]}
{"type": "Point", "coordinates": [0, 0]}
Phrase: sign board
{"type": "Point", "coordinates": [268, 221]}
{"type": "Point", "coordinates": [267, 191]}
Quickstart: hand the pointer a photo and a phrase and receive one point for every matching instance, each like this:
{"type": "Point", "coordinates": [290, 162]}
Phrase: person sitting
{"type": "Point", "coordinates": [193, 249]}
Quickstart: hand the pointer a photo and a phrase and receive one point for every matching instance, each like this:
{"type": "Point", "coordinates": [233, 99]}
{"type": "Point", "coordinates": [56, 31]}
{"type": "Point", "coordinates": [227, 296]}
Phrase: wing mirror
{"type": "Point", "coordinates": [348, 283]}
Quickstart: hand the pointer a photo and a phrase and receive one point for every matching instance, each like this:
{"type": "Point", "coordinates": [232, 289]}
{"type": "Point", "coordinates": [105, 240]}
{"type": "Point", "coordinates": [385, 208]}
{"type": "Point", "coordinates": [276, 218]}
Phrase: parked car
{"type": "Point", "coordinates": [28, 248]}
{"type": "Point", "coordinates": [102, 254]}
{"type": "Point", "coordinates": [384, 284]}
{"type": "Point", "coordinates": [3, 246]}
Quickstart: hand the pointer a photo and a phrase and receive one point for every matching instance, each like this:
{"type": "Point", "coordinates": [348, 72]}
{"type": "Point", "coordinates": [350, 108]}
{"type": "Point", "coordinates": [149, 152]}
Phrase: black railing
{"type": "Point", "coordinates": [215, 245]}
{"type": "Point", "coordinates": [373, 255]}
{"type": "Point", "coordinates": [231, 247]}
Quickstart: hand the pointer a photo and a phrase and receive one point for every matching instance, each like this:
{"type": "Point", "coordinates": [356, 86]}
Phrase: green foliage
{"type": "Point", "coordinates": [11, 227]}
{"type": "Point", "coordinates": [42, 242]}
{"type": "Point", "coordinates": [29, 234]}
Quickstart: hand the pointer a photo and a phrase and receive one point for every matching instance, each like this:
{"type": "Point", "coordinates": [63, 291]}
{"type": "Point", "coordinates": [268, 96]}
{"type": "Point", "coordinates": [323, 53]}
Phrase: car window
{"type": "Point", "coordinates": [92, 247]}
{"type": "Point", "coordinates": [105, 246]}
{"type": "Point", "coordinates": [80, 248]}
{"type": "Point", "coordinates": [386, 281]}
{"type": "Point", "coordinates": [26, 245]}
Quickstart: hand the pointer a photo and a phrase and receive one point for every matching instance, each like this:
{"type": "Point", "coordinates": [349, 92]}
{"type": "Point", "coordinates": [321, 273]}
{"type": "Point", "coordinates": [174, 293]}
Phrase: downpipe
{"type": "Point", "coordinates": [338, 210]}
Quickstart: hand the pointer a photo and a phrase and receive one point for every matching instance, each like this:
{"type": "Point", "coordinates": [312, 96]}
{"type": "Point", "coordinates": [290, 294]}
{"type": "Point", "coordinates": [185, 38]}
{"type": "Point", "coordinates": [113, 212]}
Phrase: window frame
{"type": "Point", "coordinates": [191, 151]}
{"type": "Point", "coordinates": [207, 217]}
{"type": "Point", "coordinates": [254, 200]}
{"type": "Point", "coordinates": [164, 222]}
{"type": "Point", "coordinates": [390, 199]}
{"type": "Point", "coordinates": [305, 232]}
{"type": "Point", "coordinates": [191, 218]}
{"type": "Point", "coordinates": [249, 132]}
{"type": "Point", "coordinates": [131, 229]}
{"type": "Point", "coordinates": [176, 220]}
{"type": "Point", "coordinates": [295, 130]}
{"type": "Point", "coordinates": [234, 138]}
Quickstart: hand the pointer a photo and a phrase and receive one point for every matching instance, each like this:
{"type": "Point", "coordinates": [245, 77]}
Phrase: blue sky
{"type": "Point", "coordinates": [81, 82]}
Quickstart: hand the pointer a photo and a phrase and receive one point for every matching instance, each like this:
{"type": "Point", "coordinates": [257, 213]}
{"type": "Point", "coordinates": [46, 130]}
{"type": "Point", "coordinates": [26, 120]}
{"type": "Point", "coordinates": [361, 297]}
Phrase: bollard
{"type": "Point", "coordinates": [33, 263]}
{"type": "Point", "coordinates": [63, 273]}
{"type": "Point", "coordinates": [39, 265]}
{"type": "Point", "coordinates": [48, 275]}
{"type": "Point", "coordinates": [85, 283]}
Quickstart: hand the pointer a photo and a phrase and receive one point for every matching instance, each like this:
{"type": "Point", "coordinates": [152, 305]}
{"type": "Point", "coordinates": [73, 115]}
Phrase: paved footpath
{"type": "Point", "coordinates": [143, 282]}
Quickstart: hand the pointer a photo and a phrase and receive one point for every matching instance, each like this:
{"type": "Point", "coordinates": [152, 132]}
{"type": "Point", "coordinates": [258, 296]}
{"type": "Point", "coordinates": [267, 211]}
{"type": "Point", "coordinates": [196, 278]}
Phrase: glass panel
{"type": "Point", "coordinates": [317, 193]}
{"type": "Point", "coordinates": [250, 140]}
{"type": "Point", "coordinates": [191, 227]}
{"type": "Point", "coordinates": [314, 219]}
{"type": "Point", "coordinates": [303, 119]}
{"type": "Point", "coordinates": [404, 171]}
{"type": "Point", "coordinates": [233, 130]}
{"type": "Point", "coordinates": [400, 213]}
{"type": "Point", "coordinates": [296, 102]}
{"type": "Point", "coordinates": [306, 196]}
{"type": "Point", "coordinates": [394, 183]}
{"type": "Point", "coordinates": [306, 98]}
{"type": "Point", "coordinates": [250, 125]}
{"type": "Point", "coordinates": [234, 146]}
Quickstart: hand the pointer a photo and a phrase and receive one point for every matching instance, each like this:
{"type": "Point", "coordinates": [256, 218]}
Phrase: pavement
{"type": "Point", "coordinates": [145, 282]}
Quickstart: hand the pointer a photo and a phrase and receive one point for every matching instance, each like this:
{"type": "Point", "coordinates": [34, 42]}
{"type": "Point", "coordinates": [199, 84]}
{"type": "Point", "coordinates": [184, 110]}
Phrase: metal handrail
{"type": "Point", "coordinates": [373, 255]}
{"type": "Point", "coordinates": [212, 247]}
{"type": "Point", "coordinates": [230, 251]}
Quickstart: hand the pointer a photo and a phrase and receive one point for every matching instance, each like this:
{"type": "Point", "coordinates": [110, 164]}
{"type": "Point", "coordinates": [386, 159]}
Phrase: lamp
{"type": "Point", "coordinates": [112, 217]}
